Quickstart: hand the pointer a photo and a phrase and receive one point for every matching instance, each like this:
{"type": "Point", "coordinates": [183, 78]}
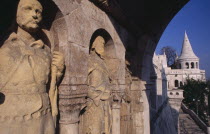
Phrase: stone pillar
{"type": "Point", "coordinates": [69, 123]}
{"type": "Point", "coordinates": [175, 100]}
{"type": "Point", "coordinates": [183, 65]}
{"type": "Point", "coordinates": [137, 108]}
{"type": "Point", "coordinates": [70, 104]}
{"type": "Point", "coordinates": [116, 117]}
{"type": "Point", "coordinates": [195, 65]}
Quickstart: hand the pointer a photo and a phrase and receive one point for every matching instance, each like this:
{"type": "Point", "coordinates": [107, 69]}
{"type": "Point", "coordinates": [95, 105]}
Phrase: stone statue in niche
{"type": "Point", "coordinates": [97, 117]}
{"type": "Point", "coordinates": [26, 63]}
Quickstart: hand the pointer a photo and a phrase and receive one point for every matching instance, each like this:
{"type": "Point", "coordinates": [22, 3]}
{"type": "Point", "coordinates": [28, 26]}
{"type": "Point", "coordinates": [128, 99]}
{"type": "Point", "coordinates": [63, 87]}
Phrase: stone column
{"type": "Point", "coordinates": [116, 105]}
{"type": "Point", "coordinates": [116, 117]}
{"type": "Point", "coordinates": [183, 65]}
{"type": "Point", "coordinates": [137, 108]}
{"type": "Point", "coordinates": [69, 123]}
{"type": "Point", "coordinates": [70, 104]}
{"type": "Point", "coordinates": [195, 65]}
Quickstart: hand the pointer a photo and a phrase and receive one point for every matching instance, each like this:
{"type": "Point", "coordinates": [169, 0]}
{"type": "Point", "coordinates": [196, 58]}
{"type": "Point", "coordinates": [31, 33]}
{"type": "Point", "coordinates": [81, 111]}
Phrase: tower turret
{"type": "Point", "coordinates": [188, 59]}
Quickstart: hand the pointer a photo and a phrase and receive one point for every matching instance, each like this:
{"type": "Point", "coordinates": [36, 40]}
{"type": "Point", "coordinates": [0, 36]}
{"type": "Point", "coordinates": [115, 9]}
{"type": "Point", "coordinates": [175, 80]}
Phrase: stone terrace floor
{"type": "Point", "coordinates": [187, 124]}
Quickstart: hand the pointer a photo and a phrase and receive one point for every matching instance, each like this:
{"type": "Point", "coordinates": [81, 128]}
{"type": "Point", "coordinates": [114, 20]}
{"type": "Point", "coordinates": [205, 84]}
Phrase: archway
{"type": "Point", "coordinates": [192, 65]}
{"type": "Point", "coordinates": [187, 65]}
{"type": "Point", "coordinates": [111, 59]}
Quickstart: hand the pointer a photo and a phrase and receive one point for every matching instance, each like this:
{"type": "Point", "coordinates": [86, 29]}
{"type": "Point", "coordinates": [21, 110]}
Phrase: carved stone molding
{"type": "Point", "coordinates": [71, 101]}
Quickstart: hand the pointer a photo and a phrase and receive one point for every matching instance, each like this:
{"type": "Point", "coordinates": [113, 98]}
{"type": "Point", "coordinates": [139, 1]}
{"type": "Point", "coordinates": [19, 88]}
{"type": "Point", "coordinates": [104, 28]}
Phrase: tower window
{"type": "Point", "coordinates": [187, 65]}
{"type": "Point", "coordinates": [192, 65]}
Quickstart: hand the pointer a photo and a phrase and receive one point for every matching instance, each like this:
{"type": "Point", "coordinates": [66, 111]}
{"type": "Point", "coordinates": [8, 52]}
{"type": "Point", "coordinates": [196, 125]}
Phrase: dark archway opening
{"type": "Point", "coordinates": [111, 59]}
{"type": "Point", "coordinates": [187, 65]}
{"type": "Point", "coordinates": [192, 65]}
{"type": "Point", "coordinates": [176, 83]}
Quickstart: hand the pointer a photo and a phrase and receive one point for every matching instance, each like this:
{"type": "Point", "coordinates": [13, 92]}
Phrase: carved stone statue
{"type": "Point", "coordinates": [25, 67]}
{"type": "Point", "coordinates": [97, 117]}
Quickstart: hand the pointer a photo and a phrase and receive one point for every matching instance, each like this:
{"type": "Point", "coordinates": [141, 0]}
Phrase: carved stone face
{"type": "Point", "coordinates": [29, 15]}
{"type": "Point", "coordinates": [98, 44]}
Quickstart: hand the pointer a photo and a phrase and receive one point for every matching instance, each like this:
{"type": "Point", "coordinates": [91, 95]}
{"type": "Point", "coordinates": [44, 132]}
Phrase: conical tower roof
{"type": "Point", "coordinates": [187, 51]}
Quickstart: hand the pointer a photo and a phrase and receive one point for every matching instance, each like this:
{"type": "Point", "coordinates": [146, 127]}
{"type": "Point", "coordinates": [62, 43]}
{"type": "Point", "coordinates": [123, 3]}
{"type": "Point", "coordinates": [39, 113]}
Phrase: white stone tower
{"type": "Point", "coordinates": [187, 59]}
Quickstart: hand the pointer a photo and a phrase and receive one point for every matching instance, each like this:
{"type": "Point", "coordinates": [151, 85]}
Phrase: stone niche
{"type": "Point", "coordinates": [69, 26]}
{"type": "Point", "coordinates": [72, 31]}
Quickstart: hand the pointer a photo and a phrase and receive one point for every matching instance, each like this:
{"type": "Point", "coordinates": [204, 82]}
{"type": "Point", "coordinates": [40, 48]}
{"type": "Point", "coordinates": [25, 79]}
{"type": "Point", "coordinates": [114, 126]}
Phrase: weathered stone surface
{"type": "Point", "coordinates": [75, 24]}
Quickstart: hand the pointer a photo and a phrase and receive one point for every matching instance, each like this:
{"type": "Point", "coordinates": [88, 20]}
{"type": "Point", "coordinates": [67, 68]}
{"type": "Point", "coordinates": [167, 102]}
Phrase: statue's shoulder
{"type": "Point", "coordinates": [97, 64]}
{"type": "Point", "coordinates": [10, 41]}
{"type": "Point", "coordinates": [7, 43]}
{"type": "Point", "coordinates": [10, 50]}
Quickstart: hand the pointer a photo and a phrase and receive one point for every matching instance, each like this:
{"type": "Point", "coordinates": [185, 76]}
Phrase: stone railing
{"type": "Point", "coordinates": [175, 94]}
{"type": "Point", "coordinates": [195, 117]}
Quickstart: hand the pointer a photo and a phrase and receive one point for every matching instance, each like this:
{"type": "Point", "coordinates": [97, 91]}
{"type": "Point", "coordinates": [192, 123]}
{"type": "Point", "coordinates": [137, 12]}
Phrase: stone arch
{"type": "Point", "coordinates": [187, 65]}
{"type": "Point", "coordinates": [192, 65]}
{"type": "Point", "coordinates": [111, 59]}
{"type": "Point", "coordinates": [176, 83]}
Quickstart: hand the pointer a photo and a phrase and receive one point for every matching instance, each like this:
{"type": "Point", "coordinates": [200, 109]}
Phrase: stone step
{"type": "Point", "coordinates": [187, 125]}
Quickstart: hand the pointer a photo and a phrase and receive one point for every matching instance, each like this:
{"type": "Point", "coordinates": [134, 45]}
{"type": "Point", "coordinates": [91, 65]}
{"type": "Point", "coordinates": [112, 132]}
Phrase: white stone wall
{"type": "Point", "coordinates": [182, 74]}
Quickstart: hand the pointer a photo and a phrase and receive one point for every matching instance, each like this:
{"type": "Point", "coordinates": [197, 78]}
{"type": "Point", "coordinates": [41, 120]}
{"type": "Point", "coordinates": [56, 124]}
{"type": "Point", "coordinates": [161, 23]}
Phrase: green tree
{"type": "Point", "coordinates": [195, 97]}
{"type": "Point", "coordinates": [170, 53]}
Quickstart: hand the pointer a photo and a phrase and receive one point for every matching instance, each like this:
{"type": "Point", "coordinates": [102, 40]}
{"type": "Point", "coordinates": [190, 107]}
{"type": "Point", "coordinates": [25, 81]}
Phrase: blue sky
{"type": "Point", "coordinates": [194, 17]}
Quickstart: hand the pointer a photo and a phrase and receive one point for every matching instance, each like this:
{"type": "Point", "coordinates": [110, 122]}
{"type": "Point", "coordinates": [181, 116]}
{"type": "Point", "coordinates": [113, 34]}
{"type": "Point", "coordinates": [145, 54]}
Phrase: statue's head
{"type": "Point", "coordinates": [98, 45]}
{"type": "Point", "coordinates": [29, 15]}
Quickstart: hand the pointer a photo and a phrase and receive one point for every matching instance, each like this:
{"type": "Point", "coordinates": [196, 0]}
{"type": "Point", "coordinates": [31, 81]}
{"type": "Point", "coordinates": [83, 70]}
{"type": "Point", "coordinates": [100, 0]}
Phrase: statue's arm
{"type": "Point", "coordinates": [58, 64]}
{"type": "Point", "coordinates": [96, 89]}
{"type": "Point", "coordinates": [93, 78]}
